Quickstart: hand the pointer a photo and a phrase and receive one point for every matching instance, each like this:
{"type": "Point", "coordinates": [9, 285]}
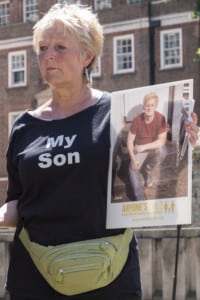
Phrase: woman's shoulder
{"type": "Point", "coordinates": [101, 95]}
{"type": "Point", "coordinates": [103, 101]}
{"type": "Point", "coordinates": [20, 119]}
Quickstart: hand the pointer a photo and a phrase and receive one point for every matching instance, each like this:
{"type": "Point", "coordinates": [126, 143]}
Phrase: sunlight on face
{"type": "Point", "coordinates": [150, 106]}
{"type": "Point", "coordinates": [60, 56]}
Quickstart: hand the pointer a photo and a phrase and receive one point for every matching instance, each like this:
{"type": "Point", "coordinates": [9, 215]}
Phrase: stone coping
{"type": "Point", "coordinates": [168, 232]}
{"type": "Point", "coordinates": [6, 234]}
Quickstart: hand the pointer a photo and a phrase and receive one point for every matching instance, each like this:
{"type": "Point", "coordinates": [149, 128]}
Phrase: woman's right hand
{"type": "Point", "coordinates": [8, 214]}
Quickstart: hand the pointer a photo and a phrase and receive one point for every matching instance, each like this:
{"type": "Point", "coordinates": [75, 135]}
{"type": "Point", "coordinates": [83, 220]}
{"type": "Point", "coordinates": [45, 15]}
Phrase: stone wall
{"type": "Point", "coordinates": [157, 258]}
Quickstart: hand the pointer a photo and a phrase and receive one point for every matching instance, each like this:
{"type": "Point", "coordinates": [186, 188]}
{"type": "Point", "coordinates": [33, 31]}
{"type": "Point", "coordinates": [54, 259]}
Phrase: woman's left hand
{"type": "Point", "coordinates": [192, 129]}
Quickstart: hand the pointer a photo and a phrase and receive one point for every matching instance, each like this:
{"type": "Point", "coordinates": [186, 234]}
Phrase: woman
{"type": "Point", "coordinates": [64, 145]}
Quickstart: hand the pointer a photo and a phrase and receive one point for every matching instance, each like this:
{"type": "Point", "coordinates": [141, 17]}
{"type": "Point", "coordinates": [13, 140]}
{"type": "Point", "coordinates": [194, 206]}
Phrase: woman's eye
{"type": "Point", "coordinates": [43, 48]}
{"type": "Point", "coordinates": [60, 47]}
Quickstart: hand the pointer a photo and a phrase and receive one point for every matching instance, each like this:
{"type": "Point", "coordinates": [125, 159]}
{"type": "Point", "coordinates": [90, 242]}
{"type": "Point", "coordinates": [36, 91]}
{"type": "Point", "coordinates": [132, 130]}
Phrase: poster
{"type": "Point", "coordinates": [150, 171]}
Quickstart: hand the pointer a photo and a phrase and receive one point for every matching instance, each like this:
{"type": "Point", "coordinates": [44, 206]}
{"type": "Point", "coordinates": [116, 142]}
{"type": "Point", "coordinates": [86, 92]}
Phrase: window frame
{"type": "Point", "coordinates": [7, 17]}
{"type": "Point", "coordinates": [29, 19]}
{"type": "Point", "coordinates": [129, 2]}
{"type": "Point", "coordinates": [97, 8]}
{"type": "Point", "coordinates": [115, 58]}
{"type": "Point", "coordinates": [174, 31]}
{"type": "Point", "coordinates": [12, 115]}
{"type": "Point", "coordinates": [65, 1]}
{"type": "Point", "coordinates": [12, 84]}
{"type": "Point", "coordinates": [98, 66]}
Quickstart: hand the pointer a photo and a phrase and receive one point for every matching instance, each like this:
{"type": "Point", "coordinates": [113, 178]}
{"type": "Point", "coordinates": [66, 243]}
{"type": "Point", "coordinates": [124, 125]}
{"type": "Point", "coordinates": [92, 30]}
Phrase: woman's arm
{"type": "Point", "coordinates": [8, 214]}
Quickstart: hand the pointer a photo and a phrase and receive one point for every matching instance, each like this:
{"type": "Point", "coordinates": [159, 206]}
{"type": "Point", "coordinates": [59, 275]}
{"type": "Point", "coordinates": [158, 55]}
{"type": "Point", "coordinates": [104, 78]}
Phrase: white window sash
{"type": "Point", "coordinates": [11, 71]}
{"type": "Point", "coordinates": [102, 4]}
{"type": "Point", "coordinates": [163, 49]}
{"type": "Point", "coordinates": [97, 70]}
{"type": "Point", "coordinates": [134, 1]}
{"type": "Point", "coordinates": [65, 1]}
{"type": "Point", "coordinates": [33, 15]}
{"type": "Point", "coordinates": [11, 117]}
{"type": "Point", "coordinates": [116, 56]}
{"type": "Point", "coordinates": [4, 18]}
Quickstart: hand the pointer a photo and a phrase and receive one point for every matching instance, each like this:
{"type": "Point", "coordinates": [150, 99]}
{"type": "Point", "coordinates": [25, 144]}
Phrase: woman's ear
{"type": "Point", "coordinates": [88, 58]}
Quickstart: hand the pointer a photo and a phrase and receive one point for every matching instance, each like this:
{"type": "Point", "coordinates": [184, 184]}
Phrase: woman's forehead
{"type": "Point", "coordinates": [56, 30]}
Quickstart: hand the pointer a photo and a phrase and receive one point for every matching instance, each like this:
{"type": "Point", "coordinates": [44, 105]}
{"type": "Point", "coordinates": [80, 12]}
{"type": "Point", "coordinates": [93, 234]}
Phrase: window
{"type": "Point", "coordinates": [102, 4]}
{"type": "Point", "coordinates": [65, 1]}
{"type": "Point", "coordinates": [171, 48]}
{"type": "Point", "coordinates": [4, 13]}
{"type": "Point", "coordinates": [123, 54]}
{"type": "Point", "coordinates": [17, 69]}
{"type": "Point", "coordinates": [31, 12]}
{"type": "Point", "coordinates": [11, 118]}
{"type": "Point", "coordinates": [134, 1]}
{"type": "Point", "coordinates": [97, 68]}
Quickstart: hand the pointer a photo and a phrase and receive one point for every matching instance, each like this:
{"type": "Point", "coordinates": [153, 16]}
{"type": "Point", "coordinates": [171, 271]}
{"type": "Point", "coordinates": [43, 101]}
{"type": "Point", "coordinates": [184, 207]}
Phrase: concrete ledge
{"type": "Point", "coordinates": [6, 234]}
{"type": "Point", "coordinates": [168, 232]}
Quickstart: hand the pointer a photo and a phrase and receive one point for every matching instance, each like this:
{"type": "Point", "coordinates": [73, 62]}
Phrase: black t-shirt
{"type": "Point", "coordinates": [58, 172]}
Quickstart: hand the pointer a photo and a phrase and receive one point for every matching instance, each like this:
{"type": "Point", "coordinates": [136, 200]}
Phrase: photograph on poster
{"type": "Point", "coordinates": [150, 161]}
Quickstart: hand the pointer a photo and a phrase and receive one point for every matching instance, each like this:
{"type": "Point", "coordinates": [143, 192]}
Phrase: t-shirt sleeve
{"type": "Point", "coordinates": [134, 126]}
{"type": "Point", "coordinates": [14, 187]}
{"type": "Point", "coordinates": [163, 124]}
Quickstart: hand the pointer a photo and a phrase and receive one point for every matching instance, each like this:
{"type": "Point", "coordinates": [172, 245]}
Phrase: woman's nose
{"type": "Point", "coordinates": [50, 52]}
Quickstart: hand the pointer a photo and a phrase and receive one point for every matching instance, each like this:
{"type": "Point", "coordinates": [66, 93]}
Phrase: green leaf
{"type": "Point", "coordinates": [198, 51]}
{"type": "Point", "coordinates": [194, 15]}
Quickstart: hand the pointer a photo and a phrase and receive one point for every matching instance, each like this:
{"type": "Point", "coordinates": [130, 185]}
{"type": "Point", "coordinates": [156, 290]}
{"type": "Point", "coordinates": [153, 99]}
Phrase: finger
{"type": "Point", "coordinates": [193, 141]}
{"type": "Point", "coordinates": [191, 127]}
{"type": "Point", "coordinates": [193, 135]}
{"type": "Point", "coordinates": [194, 117]}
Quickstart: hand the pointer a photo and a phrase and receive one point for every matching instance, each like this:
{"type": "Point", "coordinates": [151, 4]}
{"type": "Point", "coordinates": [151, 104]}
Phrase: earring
{"type": "Point", "coordinates": [87, 74]}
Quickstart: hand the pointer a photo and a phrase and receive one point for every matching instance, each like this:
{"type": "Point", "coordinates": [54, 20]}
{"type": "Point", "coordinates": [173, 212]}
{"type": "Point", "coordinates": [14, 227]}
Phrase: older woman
{"type": "Point", "coordinates": [64, 145]}
{"type": "Point", "coordinates": [58, 158]}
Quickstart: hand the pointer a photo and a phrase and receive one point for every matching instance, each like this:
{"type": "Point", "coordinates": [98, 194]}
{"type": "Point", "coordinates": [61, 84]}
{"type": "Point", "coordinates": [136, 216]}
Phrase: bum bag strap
{"type": "Point", "coordinates": [24, 237]}
{"type": "Point", "coordinates": [29, 245]}
{"type": "Point", "coordinates": [128, 234]}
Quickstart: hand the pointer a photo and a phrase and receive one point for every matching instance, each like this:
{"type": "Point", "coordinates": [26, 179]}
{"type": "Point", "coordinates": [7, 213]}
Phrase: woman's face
{"type": "Point", "coordinates": [150, 107]}
{"type": "Point", "coordinates": [60, 59]}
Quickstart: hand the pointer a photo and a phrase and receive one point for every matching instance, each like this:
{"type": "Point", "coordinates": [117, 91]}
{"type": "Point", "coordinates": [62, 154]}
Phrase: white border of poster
{"type": "Point", "coordinates": [173, 204]}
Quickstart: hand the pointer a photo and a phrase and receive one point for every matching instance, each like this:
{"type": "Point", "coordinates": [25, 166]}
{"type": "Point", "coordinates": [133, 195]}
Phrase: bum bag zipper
{"type": "Point", "coordinates": [66, 270]}
{"type": "Point", "coordinates": [103, 244]}
{"type": "Point", "coordinates": [78, 256]}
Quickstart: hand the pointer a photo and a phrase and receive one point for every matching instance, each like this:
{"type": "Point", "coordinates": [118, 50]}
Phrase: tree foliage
{"type": "Point", "coordinates": [196, 15]}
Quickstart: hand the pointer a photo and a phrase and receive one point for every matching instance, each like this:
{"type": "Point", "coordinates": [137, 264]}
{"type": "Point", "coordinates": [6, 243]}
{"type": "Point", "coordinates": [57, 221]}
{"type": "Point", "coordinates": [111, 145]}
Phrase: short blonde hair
{"type": "Point", "coordinates": [151, 95]}
{"type": "Point", "coordinates": [80, 21]}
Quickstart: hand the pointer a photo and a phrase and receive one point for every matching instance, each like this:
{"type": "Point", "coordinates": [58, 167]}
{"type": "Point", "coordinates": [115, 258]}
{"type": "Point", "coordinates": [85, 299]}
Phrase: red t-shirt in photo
{"type": "Point", "coordinates": [147, 133]}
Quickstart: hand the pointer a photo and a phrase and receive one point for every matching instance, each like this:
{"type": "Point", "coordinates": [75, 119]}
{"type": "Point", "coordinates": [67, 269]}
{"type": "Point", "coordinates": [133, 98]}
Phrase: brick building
{"type": "Point", "coordinates": [146, 42]}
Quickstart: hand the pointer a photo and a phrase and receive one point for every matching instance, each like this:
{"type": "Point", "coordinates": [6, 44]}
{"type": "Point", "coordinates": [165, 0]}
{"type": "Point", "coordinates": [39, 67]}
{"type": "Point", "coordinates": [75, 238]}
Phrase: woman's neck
{"type": "Point", "coordinates": [67, 98]}
{"type": "Point", "coordinates": [66, 103]}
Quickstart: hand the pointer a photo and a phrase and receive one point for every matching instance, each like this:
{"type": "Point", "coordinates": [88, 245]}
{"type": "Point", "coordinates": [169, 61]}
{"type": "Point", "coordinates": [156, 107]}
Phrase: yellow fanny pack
{"type": "Point", "coordinates": [80, 267]}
